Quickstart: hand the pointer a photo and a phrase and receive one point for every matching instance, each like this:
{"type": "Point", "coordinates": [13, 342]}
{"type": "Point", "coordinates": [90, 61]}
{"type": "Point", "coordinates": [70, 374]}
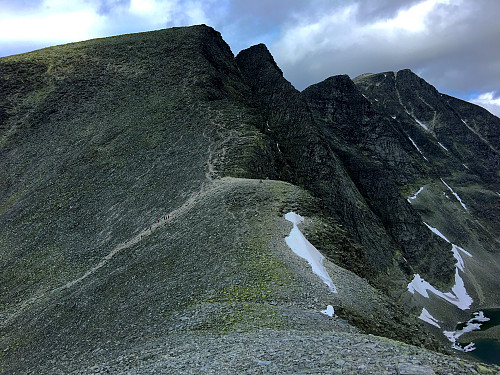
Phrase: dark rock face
{"type": "Point", "coordinates": [411, 100]}
{"type": "Point", "coordinates": [310, 159]}
{"type": "Point", "coordinates": [144, 180]}
{"type": "Point", "coordinates": [378, 157]}
{"type": "Point", "coordinates": [321, 133]}
{"type": "Point", "coordinates": [459, 139]}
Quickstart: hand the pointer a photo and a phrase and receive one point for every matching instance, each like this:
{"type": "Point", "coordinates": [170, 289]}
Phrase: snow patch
{"type": "Point", "coordinates": [455, 194]}
{"type": "Point", "coordinates": [437, 232]}
{"type": "Point", "coordinates": [455, 248]}
{"type": "Point", "coordinates": [303, 248]}
{"type": "Point", "coordinates": [479, 317]}
{"type": "Point", "coordinates": [460, 262]}
{"type": "Point", "coordinates": [443, 146]}
{"type": "Point", "coordinates": [418, 122]}
{"type": "Point", "coordinates": [329, 311]}
{"type": "Point", "coordinates": [471, 325]}
{"type": "Point", "coordinates": [415, 145]}
{"type": "Point", "coordinates": [458, 295]}
{"type": "Point", "coordinates": [415, 195]}
{"type": "Point", "coordinates": [421, 124]}
{"type": "Point", "coordinates": [470, 347]}
{"type": "Point", "coordinates": [427, 317]}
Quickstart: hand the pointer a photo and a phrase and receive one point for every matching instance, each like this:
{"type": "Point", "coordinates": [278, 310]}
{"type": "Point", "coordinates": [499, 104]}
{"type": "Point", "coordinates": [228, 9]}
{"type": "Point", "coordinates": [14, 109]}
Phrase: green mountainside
{"type": "Point", "coordinates": [144, 183]}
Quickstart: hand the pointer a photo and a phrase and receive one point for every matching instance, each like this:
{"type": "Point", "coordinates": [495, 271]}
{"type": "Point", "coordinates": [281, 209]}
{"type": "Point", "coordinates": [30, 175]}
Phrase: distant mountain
{"type": "Point", "coordinates": [144, 184]}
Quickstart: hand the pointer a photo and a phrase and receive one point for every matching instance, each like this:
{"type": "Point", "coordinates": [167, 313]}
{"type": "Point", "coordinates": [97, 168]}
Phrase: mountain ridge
{"type": "Point", "coordinates": [106, 141]}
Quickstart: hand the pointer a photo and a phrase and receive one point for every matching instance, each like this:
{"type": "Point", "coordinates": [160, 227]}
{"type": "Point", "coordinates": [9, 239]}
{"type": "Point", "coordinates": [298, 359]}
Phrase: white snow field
{"type": "Point", "coordinates": [304, 249]}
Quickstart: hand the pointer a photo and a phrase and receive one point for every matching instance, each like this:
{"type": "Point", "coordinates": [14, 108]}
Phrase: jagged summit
{"type": "Point", "coordinates": [144, 185]}
{"type": "Point", "coordinates": [257, 55]}
{"type": "Point", "coordinates": [261, 71]}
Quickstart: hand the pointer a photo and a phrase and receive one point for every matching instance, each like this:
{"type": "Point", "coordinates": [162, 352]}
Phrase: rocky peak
{"type": "Point", "coordinates": [340, 99]}
{"type": "Point", "coordinates": [258, 59]}
{"type": "Point", "coordinates": [452, 131]}
{"type": "Point", "coordinates": [262, 73]}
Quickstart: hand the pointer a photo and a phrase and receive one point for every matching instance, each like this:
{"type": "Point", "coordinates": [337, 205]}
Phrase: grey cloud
{"type": "Point", "coordinates": [270, 11]}
{"type": "Point", "coordinates": [109, 6]}
{"type": "Point", "coordinates": [252, 22]}
{"type": "Point", "coordinates": [458, 54]}
{"type": "Point", "coordinates": [370, 10]}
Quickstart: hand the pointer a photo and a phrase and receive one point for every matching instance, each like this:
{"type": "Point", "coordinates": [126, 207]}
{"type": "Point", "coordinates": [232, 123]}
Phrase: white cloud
{"type": "Point", "coordinates": [343, 41]}
{"type": "Point", "coordinates": [488, 101]}
{"type": "Point", "coordinates": [69, 26]}
{"type": "Point", "coordinates": [301, 39]}
{"type": "Point", "coordinates": [143, 7]}
{"type": "Point", "coordinates": [53, 21]}
{"type": "Point", "coordinates": [60, 21]}
{"type": "Point", "coordinates": [412, 19]}
{"type": "Point", "coordinates": [196, 13]}
{"type": "Point", "coordinates": [341, 29]}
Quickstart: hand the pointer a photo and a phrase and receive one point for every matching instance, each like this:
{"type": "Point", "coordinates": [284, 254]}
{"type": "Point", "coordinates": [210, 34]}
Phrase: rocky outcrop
{"type": "Point", "coordinates": [438, 125]}
{"type": "Point", "coordinates": [310, 159]}
{"type": "Point", "coordinates": [378, 158]}
{"type": "Point", "coordinates": [459, 139]}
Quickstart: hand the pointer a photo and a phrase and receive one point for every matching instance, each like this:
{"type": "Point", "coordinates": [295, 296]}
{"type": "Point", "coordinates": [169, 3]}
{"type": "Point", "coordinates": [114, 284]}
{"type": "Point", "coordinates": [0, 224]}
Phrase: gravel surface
{"type": "Point", "coordinates": [281, 352]}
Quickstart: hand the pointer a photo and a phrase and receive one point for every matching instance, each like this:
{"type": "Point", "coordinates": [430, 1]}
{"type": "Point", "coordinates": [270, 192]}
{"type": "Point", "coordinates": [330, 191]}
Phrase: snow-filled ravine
{"type": "Point", "coordinates": [444, 147]}
{"type": "Point", "coordinates": [418, 149]}
{"type": "Point", "coordinates": [455, 194]}
{"type": "Point", "coordinates": [413, 197]}
{"type": "Point", "coordinates": [304, 249]}
{"type": "Point", "coordinates": [457, 297]}
{"type": "Point", "coordinates": [427, 317]}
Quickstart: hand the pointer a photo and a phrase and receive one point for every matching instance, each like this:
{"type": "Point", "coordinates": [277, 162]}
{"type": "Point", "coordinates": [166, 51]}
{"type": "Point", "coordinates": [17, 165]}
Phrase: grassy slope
{"type": "Point", "coordinates": [216, 265]}
{"type": "Point", "coordinates": [100, 140]}
{"type": "Point", "coordinates": [114, 142]}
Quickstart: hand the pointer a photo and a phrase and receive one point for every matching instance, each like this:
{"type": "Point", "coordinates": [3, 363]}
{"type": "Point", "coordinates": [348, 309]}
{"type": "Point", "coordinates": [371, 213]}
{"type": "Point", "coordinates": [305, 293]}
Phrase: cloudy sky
{"type": "Point", "coordinates": [453, 44]}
